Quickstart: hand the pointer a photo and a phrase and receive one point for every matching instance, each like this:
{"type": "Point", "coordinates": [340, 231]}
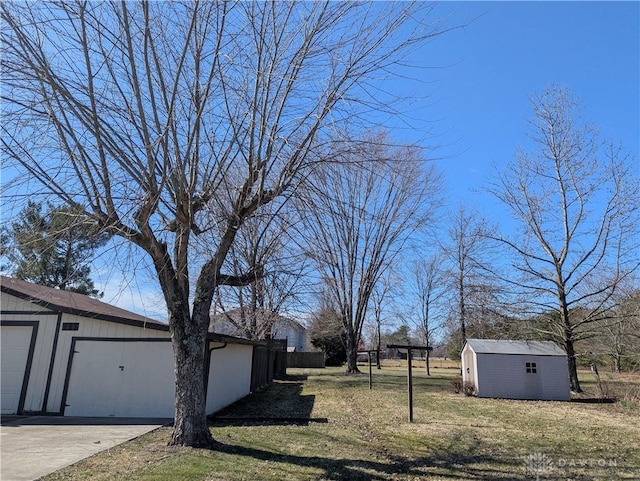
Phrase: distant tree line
{"type": "Point", "coordinates": [569, 273]}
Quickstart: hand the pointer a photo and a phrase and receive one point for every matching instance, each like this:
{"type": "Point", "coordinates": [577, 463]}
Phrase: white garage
{"type": "Point", "coordinates": [67, 354]}
{"type": "Point", "coordinates": [120, 378]}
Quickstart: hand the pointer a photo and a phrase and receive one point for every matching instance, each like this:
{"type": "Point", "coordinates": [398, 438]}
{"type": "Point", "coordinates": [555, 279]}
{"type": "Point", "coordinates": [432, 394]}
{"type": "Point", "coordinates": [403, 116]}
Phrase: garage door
{"type": "Point", "coordinates": [14, 359]}
{"type": "Point", "coordinates": [121, 379]}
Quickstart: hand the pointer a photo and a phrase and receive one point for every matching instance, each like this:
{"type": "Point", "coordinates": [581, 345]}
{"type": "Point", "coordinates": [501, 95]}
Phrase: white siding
{"type": "Point", "coordinates": [144, 386]}
{"type": "Point", "coordinates": [47, 324]}
{"type": "Point", "coordinates": [469, 371]}
{"type": "Point", "coordinates": [47, 321]}
{"type": "Point", "coordinates": [122, 379]}
{"type": "Point", "coordinates": [229, 375]}
{"type": "Point", "coordinates": [13, 303]}
{"type": "Point", "coordinates": [296, 336]}
{"type": "Point", "coordinates": [14, 353]}
{"type": "Point", "coordinates": [93, 328]}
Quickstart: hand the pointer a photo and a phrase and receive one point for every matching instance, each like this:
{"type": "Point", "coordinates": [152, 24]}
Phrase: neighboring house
{"type": "Point", "coordinates": [64, 353]}
{"type": "Point", "coordinates": [294, 332]}
{"type": "Point", "coordinates": [516, 369]}
{"type": "Point", "coordinates": [279, 328]}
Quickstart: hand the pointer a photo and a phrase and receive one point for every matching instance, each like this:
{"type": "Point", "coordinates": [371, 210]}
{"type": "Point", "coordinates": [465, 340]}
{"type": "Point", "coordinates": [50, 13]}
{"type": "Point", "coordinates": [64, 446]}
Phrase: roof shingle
{"type": "Point", "coordinates": [74, 303]}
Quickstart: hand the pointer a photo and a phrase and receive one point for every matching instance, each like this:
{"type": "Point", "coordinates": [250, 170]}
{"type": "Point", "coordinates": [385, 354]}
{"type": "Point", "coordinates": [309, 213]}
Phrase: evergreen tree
{"type": "Point", "coordinates": [327, 334]}
{"type": "Point", "coordinates": [53, 248]}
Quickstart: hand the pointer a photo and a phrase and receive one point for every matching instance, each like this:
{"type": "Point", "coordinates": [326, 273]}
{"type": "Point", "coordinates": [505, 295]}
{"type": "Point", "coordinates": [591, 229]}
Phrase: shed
{"type": "Point", "coordinates": [64, 353]}
{"type": "Point", "coordinates": [516, 369]}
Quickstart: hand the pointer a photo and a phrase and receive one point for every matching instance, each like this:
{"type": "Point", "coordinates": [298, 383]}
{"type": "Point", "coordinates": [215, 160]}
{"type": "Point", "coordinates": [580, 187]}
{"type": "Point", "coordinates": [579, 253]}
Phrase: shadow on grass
{"type": "Point", "coordinates": [593, 400]}
{"type": "Point", "coordinates": [226, 421]}
{"type": "Point", "coordinates": [281, 403]}
{"type": "Point", "coordinates": [446, 464]}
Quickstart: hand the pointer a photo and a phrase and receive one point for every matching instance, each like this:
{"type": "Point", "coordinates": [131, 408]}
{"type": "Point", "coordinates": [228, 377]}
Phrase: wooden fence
{"type": "Point", "coordinates": [271, 360]}
{"type": "Point", "coordinates": [269, 363]}
{"type": "Point", "coordinates": [305, 359]}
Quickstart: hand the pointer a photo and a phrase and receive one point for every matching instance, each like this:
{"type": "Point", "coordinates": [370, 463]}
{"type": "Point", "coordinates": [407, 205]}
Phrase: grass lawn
{"type": "Point", "coordinates": [354, 433]}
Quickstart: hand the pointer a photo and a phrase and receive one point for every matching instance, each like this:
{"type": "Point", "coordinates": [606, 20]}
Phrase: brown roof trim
{"type": "Point", "coordinates": [80, 305]}
{"type": "Point", "coordinates": [76, 304]}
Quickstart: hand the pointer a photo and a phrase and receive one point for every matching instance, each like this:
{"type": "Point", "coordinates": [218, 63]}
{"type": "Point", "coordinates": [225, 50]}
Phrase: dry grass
{"type": "Point", "coordinates": [366, 435]}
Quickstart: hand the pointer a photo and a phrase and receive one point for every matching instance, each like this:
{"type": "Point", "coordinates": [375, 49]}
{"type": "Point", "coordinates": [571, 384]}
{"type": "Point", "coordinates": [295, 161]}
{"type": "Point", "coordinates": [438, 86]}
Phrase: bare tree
{"type": "Point", "coordinates": [576, 202]}
{"type": "Point", "coordinates": [263, 243]}
{"type": "Point", "coordinates": [326, 332]}
{"type": "Point", "coordinates": [381, 292]}
{"type": "Point", "coordinates": [617, 334]}
{"type": "Point", "coordinates": [430, 287]}
{"type": "Point", "coordinates": [147, 115]}
{"type": "Point", "coordinates": [464, 248]}
{"type": "Point", "coordinates": [362, 210]}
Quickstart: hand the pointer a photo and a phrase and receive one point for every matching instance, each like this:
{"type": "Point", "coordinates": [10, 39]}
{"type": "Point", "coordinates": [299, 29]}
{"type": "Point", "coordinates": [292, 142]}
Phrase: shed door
{"type": "Point", "coordinates": [14, 353]}
{"type": "Point", "coordinates": [121, 379]}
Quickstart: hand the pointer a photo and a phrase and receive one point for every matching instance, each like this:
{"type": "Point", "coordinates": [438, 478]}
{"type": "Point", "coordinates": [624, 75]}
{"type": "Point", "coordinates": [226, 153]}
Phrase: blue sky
{"type": "Point", "coordinates": [476, 86]}
{"type": "Point", "coordinates": [507, 52]}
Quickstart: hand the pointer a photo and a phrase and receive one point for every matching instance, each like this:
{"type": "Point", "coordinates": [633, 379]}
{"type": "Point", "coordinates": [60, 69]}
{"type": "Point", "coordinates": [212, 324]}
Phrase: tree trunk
{"type": "Point", "coordinates": [352, 355]}
{"type": "Point", "coordinates": [189, 347]}
{"type": "Point", "coordinates": [616, 363]}
{"type": "Point", "coordinates": [352, 364]}
{"type": "Point", "coordinates": [572, 364]}
{"type": "Point", "coordinates": [461, 305]}
{"type": "Point", "coordinates": [568, 338]}
{"type": "Point", "coordinates": [378, 349]}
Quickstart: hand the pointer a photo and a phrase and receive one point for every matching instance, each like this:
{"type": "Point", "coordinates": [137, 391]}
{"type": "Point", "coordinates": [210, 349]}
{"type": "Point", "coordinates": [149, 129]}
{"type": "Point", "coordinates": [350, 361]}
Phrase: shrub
{"type": "Point", "coordinates": [631, 398]}
{"type": "Point", "coordinates": [469, 389]}
{"type": "Point", "coordinates": [456, 384]}
{"type": "Point", "coordinates": [466, 387]}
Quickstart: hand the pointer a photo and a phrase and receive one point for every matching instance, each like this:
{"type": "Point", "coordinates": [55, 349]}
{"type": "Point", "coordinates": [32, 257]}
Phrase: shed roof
{"type": "Point", "coordinates": [535, 348]}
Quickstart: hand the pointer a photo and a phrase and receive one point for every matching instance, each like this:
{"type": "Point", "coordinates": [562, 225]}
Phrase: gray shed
{"type": "Point", "coordinates": [516, 369]}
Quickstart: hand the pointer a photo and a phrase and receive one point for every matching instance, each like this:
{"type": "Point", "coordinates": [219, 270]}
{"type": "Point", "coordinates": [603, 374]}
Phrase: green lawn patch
{"type": "Point", "coordinates": [325, 425]}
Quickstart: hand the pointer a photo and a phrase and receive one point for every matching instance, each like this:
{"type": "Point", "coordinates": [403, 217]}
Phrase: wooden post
{"type": "Point", "coordinates": [370, 371]}
{"type": "Point", "coordinates": [410, 384]}
{"type": "Point", "coordinates": [409, 372]}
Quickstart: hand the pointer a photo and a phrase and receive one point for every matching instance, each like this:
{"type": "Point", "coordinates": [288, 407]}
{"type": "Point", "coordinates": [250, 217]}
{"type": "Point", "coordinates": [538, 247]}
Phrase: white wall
{"type": "Point", "coordinates": [296, 336]}
{"type": "Point", "coordinates": [505, 376]}
{"type": "Point", "coordinates": [469, 372]}
{"type": "Point", "coordinates": [50, 322]}
{"type": "Point", "coordinates": [88, 328]}
{"type": "Point", "coordinates": [121, 379]}
{"type": "Point", "coordinates": [229, 375]}
{"type": "Point", "coordinates": [47, 321]}
{"type": "Point", "coordinates": [14, 359]}
{"type": "Point", "coordinates": [145, 386]}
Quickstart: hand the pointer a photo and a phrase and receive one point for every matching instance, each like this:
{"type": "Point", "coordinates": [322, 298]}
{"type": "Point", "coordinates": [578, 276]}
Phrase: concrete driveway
{"type": "Point", "coordinates": [31, 447]}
